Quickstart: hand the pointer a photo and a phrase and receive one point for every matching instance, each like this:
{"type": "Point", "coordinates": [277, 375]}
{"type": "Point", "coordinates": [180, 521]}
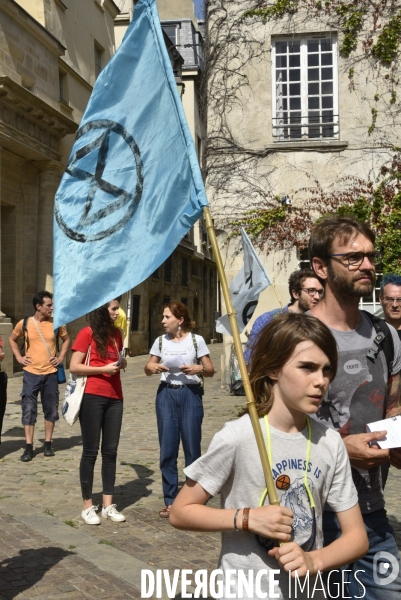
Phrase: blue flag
{"type": "Point", "coordinates": [132, 187]}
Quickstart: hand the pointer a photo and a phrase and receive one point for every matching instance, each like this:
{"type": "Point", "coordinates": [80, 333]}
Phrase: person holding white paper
{"type": "Point", "coordinates": [367, 388]}
{"type": "Point", "coordinates": [181, 358]}
{"type": "Point", "coordinates": [101, 411]}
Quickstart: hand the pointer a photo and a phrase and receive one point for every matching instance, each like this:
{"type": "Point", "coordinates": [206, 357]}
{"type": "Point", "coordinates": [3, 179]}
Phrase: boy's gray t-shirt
{"type": "Point", "coordinates": [232, 467]}
{"type": "Point", "coordinates": [358, 395]}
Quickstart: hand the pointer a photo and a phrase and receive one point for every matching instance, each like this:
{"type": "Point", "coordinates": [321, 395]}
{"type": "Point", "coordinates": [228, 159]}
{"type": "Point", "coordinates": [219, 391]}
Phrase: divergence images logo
{"type": "Point", "coordinates": [382, 561]}
{"type": "Point", "coordinates": [107, 207]}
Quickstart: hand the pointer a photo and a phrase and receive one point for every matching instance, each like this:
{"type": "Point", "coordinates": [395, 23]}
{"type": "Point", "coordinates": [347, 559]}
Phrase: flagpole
{"type": "Point", "coordinates": [274, 290]}
{"type": "Point", "coordinates": [250, 400]}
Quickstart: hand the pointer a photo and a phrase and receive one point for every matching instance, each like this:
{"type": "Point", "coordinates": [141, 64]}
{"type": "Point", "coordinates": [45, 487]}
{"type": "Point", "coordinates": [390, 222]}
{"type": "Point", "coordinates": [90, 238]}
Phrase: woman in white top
{"type": "Point", "coordinates": [181, 357]}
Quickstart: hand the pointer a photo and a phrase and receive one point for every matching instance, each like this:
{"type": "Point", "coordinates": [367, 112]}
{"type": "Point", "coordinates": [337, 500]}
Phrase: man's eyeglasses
{"type": "Point", "coordinates": [313, 291]}
{"type": "Point", "coordinates": [355, 259]}
{"type": "Point", "coordinates": [388, 300]}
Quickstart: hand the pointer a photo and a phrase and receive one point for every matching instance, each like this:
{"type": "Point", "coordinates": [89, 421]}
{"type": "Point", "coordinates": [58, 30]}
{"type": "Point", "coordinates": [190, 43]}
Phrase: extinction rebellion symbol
{"type": "Point", "coordinates": [106, 208]}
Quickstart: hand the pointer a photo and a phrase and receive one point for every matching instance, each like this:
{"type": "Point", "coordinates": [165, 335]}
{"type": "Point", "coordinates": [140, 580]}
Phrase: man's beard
{"type": "Point", "coordinates": [348, 287]}
{"type": "Point", "coordinates": [304, 305]}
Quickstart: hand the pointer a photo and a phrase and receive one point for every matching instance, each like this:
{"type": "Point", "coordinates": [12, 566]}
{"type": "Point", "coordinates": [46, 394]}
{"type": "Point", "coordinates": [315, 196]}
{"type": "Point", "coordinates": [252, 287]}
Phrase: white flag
{"type": "Point", "coordinates": [245, 288]}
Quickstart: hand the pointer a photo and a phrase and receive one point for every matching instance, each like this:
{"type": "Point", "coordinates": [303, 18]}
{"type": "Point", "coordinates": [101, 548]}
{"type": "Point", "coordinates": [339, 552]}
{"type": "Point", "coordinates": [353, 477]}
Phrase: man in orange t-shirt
{"type": "Point", "coordinates": [40, 365]}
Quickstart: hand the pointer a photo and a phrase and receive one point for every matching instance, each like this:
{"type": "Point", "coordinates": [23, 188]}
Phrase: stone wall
{"type": "Point", "coordinates": [288, 167]}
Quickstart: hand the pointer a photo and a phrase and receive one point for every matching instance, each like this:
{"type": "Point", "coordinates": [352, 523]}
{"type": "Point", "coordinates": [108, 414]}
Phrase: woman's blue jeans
{"type": "Point", "coordinates": [179, 416]}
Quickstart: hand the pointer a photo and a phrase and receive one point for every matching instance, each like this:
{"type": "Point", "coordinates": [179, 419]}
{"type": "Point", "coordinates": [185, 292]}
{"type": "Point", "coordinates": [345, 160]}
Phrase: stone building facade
{"type": "Point", "coordinates": [301, 106]}
{"type": "Point", "coordinates": [189, 275]}
{"type": "Point", "coordinates": [288, 111]}
{"type": "Point", "coordinates": [50, 53]}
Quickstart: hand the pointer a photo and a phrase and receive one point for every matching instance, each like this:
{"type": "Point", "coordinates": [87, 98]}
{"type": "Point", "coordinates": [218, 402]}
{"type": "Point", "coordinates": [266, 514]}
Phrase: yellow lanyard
{"type": "Point", "coordinates": [269, 453]}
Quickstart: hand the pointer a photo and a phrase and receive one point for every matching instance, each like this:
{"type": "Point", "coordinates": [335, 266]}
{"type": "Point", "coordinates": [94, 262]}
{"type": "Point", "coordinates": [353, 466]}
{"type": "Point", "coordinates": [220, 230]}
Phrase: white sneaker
{"type": "Point", "coordinates": [111, 512]}
{"type": "Point", "coordinates": [90, 517]}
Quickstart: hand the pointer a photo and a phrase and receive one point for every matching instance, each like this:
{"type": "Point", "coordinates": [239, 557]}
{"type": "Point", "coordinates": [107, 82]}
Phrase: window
{"type": "Point", "coordinates": [166, 300]}
{"type": "Point", "coordinates": [62, 80]}
{"type": "Point", "coordinates": [195, 268]}
{"type": "Point", "coordinates": [184, 274]}
{"type": "Point", "coordinates": [195, 311]}
{"type": "Point", "coordinates": [98, 60]}
{"type": "Point", "coordinates": [168, 269]}
{"type": "Point", "coordinates": [136, 303]}
{"type": "Point", "coordinates": [303, 259]}
{"type": "Point", "coordinates": [211, 284]}
{"type": "Point", "coordinates": [172, 31]}
{"type": "Point", "coordinates": [205, 292]}
{"type": "Point", "coordinates": [184, 301]}
{"type": "Point", "coordinates": [305, 103]}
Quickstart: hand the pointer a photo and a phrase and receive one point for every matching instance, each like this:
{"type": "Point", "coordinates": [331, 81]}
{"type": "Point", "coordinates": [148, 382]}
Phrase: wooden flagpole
{"type": "Point", "coordinates": [250, 400]}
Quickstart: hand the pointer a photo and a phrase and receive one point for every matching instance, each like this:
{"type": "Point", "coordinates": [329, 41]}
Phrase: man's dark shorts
{"type": "Point", "coordinates": [48, 387]}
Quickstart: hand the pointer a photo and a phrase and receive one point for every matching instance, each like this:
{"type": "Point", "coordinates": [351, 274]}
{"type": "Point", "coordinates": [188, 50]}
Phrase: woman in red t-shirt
{"type": "Point", "coordinates": [102, 405]}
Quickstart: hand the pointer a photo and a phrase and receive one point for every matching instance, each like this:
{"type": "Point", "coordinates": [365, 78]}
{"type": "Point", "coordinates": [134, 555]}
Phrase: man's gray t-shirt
{"type": "Point", "coordinates": [357, 396]}
{"type": "Point", "coordinates": [232, 467]}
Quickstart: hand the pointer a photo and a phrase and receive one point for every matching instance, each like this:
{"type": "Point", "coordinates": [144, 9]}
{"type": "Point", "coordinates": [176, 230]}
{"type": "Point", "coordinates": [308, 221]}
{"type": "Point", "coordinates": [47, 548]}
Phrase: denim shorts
{"type": "Point", "coordinates": [48, 387]}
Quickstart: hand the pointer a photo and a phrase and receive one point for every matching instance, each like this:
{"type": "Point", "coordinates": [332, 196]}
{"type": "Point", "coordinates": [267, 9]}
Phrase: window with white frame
{"type": "Point", "coordinates": [304, 94]}
{"type": "Point", "coordinates": [172, 30]}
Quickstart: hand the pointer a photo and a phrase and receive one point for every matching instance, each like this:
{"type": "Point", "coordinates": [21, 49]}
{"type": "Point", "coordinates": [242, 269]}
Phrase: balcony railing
{"type": "Point", "coordinates": [293, 127]}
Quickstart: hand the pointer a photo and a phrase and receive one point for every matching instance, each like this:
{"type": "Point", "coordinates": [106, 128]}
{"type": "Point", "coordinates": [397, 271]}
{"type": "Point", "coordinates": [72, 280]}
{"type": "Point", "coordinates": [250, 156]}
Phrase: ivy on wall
{"type": "Point", "coordinates": [377, 203]}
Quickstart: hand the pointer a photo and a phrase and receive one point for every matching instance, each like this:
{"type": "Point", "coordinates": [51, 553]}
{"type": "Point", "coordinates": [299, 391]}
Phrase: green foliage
{"type": "Point", "coordinates": [107, 543]}
{"type": "Point", "coordinates": [361, 209]}
{"type": "Point", "coordinates": [393, 97]}
{"type": "Point", "coordinates": [351, 18]}
{"type": "Point", "coordinates": [385, 220]}
{"type": "Point", "coordinates": [69, 523]}
{"type": "Point", "coordinates": [278, 9]}
{"type": "Point", "coordinates": [259, 220]}
{"type": "Point", "coordinates": [351, 73]}
{"type": "Point", "coordinates": [388, 40]}
{"type": "Point", "coordinates": [373, 123]}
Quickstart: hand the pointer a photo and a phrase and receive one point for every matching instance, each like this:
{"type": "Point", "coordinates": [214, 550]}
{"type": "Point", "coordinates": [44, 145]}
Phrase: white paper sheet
{"type": "Point", "coordinates": [173, 363]}
{"type": "Point", "coordinates": [393, 428]}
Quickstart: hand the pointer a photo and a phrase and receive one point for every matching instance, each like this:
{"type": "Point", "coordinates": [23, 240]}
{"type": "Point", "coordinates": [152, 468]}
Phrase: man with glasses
{"type": "Point", "coordinates": [305, 292]}
{"type": "Point", "coordinates": [390, 299]}
{"type": "Point", "coordinates": [365, 389]}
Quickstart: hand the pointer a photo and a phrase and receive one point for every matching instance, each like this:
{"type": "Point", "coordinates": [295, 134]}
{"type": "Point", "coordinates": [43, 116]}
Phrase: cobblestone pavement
{"type": "Point", "coordinates": [47, 551]}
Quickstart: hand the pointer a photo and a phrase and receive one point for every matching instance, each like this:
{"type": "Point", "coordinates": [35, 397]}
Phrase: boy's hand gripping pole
{"type": "Point", "coordinates": [271, 489]}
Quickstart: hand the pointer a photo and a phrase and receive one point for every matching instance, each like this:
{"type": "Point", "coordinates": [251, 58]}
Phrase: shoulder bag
{"type": "Point", "coordinates": [74, 393]}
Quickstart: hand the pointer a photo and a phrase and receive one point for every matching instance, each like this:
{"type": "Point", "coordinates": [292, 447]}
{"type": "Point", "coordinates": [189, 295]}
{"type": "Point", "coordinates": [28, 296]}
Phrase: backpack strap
{"type": "Point", "coordinates": [25, 332]}
{"type": "Point", "coordinates": [195, 344]}
{"type": "Point", "coordinates": [383, 341]}
{"type": "Point", "coordinates": [160, 343]}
